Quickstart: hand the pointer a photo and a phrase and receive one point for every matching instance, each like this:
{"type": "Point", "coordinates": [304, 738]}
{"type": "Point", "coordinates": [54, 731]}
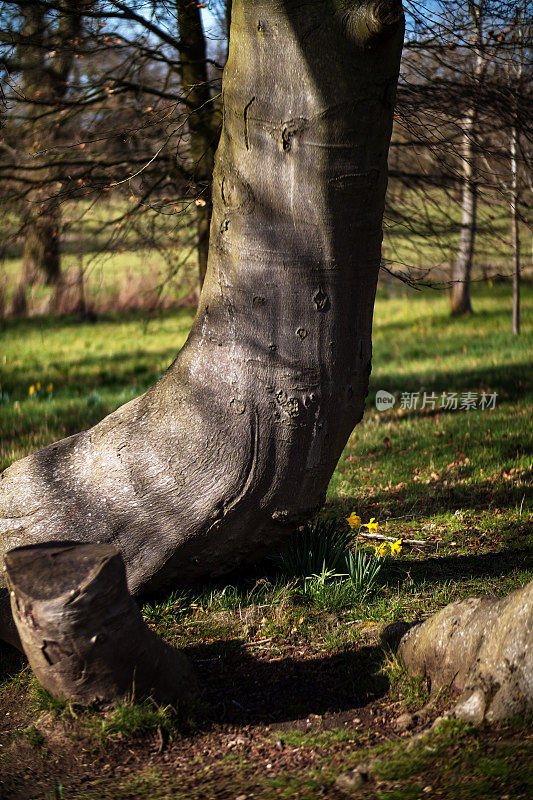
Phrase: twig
{"type": "Point", "coordinates": [258, 641]}
{"type": "Point", "coordinates": [382, 538]}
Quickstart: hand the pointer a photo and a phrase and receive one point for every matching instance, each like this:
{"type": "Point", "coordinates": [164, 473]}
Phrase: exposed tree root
{"type": "Point", "coordinates": [482, 647]}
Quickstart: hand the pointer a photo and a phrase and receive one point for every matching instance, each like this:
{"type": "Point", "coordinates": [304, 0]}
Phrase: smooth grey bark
{"type": "Point", "coordinates": [483, 647]}
{"type": "Point", "coordinates": [236, 443]}
{"type": "Point", "coordinates": [515, 222]}
{"type": "Point", "coordinates": [462, 273]}
{"type": "Point", "coordinates": [460, 300]}
{"type": "Point", "coordinates": [84, 637]}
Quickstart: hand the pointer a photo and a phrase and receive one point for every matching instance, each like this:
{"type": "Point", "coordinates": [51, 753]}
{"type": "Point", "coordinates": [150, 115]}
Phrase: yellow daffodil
{"type": "Point", "coordinates": [50, 388]}
{"type": "Point", "coordinates": [353, 520]}
{"type": "Point", "coordinates": [372, 525]}
{"type": "Point", "coordinates": [38, 386]}
{"type": "Point", "coordinates": [381, 550]}
{"type": "Point", "coordinates": [396, 547]}
{"type": "Point", "coordinates": [31, 390]}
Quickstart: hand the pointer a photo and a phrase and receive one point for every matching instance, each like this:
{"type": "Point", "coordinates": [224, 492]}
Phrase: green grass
{"type": "Point", "coordinates": [94, 368]}
{"type": "Point", "coordinates": [272, 646]}
{"type": "Point", "coordinates": [132, 720]}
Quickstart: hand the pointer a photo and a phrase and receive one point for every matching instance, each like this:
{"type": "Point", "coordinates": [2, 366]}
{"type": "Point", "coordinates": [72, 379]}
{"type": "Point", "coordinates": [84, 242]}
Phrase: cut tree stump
{"type": "Point", "coordinates": [82, 632]}
{"type": "Point", "coordinates": [483, 647]}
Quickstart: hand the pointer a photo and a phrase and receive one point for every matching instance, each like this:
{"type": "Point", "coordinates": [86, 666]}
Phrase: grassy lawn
{"type": "Point", "coordinates": [298, 689]}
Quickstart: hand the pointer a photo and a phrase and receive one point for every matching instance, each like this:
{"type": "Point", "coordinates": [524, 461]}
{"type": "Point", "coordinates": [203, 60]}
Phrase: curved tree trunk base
{"type": "Point", "coordinates": [83, 635]}
{"type": "Point", "coordinates": [483, 648]}
{"type": "Point", "coordinates": [175, 479]}
{"type": "Point", "coordinates": [235, 445]}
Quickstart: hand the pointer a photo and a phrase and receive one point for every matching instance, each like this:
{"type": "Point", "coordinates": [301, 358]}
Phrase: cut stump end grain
{"type": "Point", "coordinates": [82, 632]}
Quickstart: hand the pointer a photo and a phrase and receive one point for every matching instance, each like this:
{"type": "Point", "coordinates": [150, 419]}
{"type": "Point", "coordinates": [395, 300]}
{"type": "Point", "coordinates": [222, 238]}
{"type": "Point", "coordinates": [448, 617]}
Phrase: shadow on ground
{"type": "Point", "coordinates": [463, 568]}
{"type": "Point", "coordinates": [243, 689]}
{"type": "Point", "coordinates": [419, 500]}
{"type": "Point", "coordinates": [11, 662]}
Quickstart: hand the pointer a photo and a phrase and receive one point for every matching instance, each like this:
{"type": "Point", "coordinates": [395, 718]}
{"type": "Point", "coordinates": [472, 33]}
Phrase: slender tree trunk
{"type": "Point", "coordinates": [236, 443]}
{"type": "Point", "coordinates": [460, 298]}
{"type": "Point", "coordinates": [515, 197]}
{"type": "Point", "coordinates": [228, 18]}
{"type": "Point", "coordinates": [45, 83]}
{"type": "Point", "coordinates": [461, 303]}
{"type": "Point", "coordinates": [202, 122]}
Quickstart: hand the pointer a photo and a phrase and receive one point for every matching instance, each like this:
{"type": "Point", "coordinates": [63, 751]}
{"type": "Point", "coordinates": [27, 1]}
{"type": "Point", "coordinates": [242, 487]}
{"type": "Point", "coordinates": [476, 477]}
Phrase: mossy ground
{"type": "Point", "coordinates": [297, 688]}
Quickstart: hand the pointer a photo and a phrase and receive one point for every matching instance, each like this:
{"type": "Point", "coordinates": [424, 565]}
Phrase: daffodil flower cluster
{"type": "Point", "coordinates": [381, 550]}
{"type": "Point", "coordinates": [394, 547]}
{"type": "Point", "coordinates": [354, 521]}
{"type": "Point", "coordinates": [36, 390]}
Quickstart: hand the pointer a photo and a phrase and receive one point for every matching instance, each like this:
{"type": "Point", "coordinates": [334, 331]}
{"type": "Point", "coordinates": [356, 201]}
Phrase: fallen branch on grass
{"type": "Point", "coordinates": [381, 538]}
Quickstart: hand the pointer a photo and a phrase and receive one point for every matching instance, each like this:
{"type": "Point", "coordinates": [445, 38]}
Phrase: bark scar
{"type": "Point", "coordinates": [251, 467]}
{"type": "Point", "coordinates": [321, 300]}
{"type": "Point", "coordinates": [245, 117]}
{"type": "Point", "coordinates": [52, 652]}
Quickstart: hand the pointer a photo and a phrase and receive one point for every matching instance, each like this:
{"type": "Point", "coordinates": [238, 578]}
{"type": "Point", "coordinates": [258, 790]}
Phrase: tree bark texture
{"type": "Point", "coordinates": [85, 638]}
{"type": "Point", "coordinates": [41, 257]}
{"type": "Point", "coordinates": [460, 297]}
{"type": "Point", "coordinates": [482, 647]}
{"type": "Point", "coordinates": [236, 443]}
{"type": "Point", "coordinates": [515, 222]}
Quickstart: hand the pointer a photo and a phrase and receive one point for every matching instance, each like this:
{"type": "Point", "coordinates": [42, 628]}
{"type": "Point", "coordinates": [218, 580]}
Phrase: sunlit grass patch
{"type": "Point", "coordinates": [452, 487]}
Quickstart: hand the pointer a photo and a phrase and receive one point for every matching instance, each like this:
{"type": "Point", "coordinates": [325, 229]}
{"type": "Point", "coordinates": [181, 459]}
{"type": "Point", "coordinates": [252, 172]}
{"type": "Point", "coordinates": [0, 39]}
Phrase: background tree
{"type": "Point", "coordinates": [203, 121]}
{"type": "Point", "coordinates": [42, 52]}
{"type": "Point", "coordinates": [452, 129]}
{"type": "Point", "coordinates": [138, 123]}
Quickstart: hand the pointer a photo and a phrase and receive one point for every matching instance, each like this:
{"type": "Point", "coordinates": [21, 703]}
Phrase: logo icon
{"type": "Point", "coordinates": [384, 400]}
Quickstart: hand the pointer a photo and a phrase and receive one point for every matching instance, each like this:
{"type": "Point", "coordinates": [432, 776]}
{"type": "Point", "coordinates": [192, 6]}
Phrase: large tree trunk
{"type": "Point", "coordinates": [236, 443]}
{"type": "Point", "coordinates": [202, 120]}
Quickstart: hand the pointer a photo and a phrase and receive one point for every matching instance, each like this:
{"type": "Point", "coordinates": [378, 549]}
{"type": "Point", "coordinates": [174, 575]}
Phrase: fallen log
{"type": "Point", "coordinates": [82, 632]}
